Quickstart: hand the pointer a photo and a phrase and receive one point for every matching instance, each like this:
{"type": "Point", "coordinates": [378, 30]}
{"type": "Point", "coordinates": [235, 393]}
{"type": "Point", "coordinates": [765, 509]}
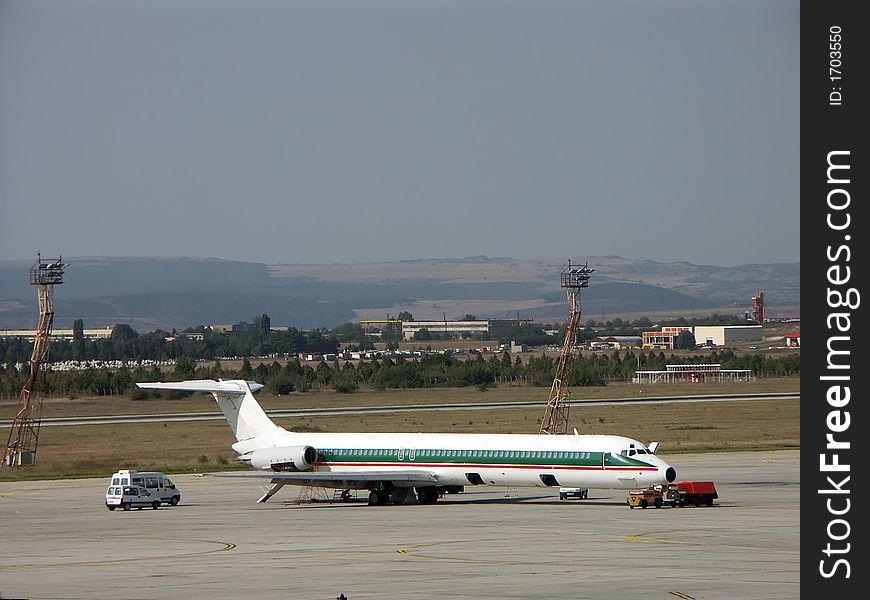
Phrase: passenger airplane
{"type": "Point", "coordinates": [392, 466]}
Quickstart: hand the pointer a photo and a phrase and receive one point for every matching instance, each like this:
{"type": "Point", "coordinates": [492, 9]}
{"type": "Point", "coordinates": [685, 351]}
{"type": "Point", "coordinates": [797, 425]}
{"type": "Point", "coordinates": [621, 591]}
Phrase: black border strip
{"type": "Point", "coordinates": [834, 104]}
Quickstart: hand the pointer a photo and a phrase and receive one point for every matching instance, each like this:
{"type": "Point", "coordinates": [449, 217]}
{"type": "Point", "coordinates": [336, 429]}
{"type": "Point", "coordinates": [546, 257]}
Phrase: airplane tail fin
{"type": "Point", "coordinates": [236, 399]}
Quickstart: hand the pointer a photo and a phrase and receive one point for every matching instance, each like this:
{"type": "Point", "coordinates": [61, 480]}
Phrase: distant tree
{"type": "Point", "coordinates": [641, 322]}
{"type": "Point", "coordinates": [78, 341]}
{"type": "Point", "coordinates": [247, 370]}
{"type": "Point", "coordinates": [405, 316]}
{"type": "Point", "coordinates": [392, 334]}
{"type": "Point", "coordinates": [185, 367]}
{"type": "Point", "coordinates": [262, 324]}
{"type": "Point", "coordinates": [684, 341]}
{"type": "Point", "coordinates": [124, 333]}
{"type": "Point", "coordinates": [422, 335]}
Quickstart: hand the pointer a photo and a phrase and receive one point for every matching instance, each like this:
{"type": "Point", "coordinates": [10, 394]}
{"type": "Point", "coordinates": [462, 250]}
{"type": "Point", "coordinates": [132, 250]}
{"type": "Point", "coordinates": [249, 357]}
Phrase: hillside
{"type": "Point", "coordinates": [150, 292]}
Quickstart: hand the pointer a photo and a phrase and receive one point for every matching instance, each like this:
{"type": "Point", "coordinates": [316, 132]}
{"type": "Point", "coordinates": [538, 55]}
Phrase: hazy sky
{"type": "Point", "coordinates": [329, 131]}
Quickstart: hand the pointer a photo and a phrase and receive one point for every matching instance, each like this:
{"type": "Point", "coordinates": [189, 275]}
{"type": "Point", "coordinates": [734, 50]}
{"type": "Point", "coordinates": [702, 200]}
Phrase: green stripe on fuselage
{"type": "Point", "coordinates": [499, 457]}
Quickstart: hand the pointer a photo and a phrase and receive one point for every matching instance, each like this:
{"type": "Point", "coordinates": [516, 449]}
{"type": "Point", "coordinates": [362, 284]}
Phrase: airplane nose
{"type": "Point", "coordinates": [671, 474]}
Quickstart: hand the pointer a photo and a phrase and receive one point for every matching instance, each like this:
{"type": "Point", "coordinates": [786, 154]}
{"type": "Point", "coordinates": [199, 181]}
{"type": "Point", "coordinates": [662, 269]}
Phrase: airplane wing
{"type": "Point", "coordinates": [337, 480]}
{"type": "Point", "coordinates": [341, 479]}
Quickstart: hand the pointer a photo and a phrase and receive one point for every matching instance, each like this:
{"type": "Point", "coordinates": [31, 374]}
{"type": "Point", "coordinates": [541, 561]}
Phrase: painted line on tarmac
{"type": "Point", "coordinates": [414, 552]}
{"type": "Point", "coordinates": [682, 595]}
{"type": "Point", "coordinates": [89, 563]}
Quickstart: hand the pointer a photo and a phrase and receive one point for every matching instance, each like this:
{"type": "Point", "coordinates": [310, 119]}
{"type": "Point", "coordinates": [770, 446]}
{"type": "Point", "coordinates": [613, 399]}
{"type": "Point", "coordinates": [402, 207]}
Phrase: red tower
{"type": "Point", "coordinates": [758, 307]}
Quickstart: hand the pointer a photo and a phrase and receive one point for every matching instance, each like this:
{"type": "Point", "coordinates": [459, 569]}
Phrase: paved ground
{"type": "Point", "coordinates": [59, 541]}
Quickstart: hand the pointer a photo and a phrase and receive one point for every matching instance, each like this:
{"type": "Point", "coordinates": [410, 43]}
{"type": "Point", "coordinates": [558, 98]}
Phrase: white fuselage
{"type": "Point", "coordinates": [592, 461]}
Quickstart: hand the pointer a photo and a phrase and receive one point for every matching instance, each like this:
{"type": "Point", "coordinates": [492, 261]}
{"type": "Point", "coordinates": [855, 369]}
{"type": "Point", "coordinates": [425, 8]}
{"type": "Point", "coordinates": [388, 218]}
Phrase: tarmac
{"type": "Point", "coordinates": [60, 541]}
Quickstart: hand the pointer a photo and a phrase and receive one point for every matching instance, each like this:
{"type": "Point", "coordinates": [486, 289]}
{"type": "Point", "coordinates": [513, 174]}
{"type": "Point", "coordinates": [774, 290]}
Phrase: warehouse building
{"type": "Point", "coordinates": [452, 328]}
{"type": "Point", "coordinates": [724, 335]}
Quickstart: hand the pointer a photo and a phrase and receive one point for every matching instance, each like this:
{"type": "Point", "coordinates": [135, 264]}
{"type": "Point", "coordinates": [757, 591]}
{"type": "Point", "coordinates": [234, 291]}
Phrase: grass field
{"type": "Point", "coordinates": [99, 450]}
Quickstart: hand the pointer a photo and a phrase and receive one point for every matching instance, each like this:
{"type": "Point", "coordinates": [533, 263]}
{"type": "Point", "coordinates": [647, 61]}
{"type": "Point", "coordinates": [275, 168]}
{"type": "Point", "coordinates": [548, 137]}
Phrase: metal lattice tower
{"type": "Point", "coordinates": [556, 417]}
{"type": "Point", "coordinates": [24, 434]}
{"type": "Point", "coordinates": [758, 308]}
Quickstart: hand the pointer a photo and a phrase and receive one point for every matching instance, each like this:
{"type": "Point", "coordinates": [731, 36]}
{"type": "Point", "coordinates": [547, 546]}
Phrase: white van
{"type": "Point", "coordinates": [134, 489]}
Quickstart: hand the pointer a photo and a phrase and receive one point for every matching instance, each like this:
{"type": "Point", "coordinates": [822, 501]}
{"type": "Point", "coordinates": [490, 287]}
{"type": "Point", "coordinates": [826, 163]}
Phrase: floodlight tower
{"type": "Point", "coordinates": [24, 434]}
{"type": "Point", "coordinates": [555, 420]}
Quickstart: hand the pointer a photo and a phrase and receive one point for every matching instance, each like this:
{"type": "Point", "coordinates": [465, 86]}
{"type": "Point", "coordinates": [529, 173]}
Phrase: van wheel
{"type": "Point", "coordinates": [111, 507]}
{"type": "Point", "coordinates": [126, 506]}
{"type": "Point", "coordinates": [155, 505]}
{"type": "Point", "coordinates": [174, 501]}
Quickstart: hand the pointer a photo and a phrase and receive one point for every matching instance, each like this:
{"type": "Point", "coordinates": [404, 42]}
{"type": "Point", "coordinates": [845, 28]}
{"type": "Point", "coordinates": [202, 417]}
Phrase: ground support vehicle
{"type": "Point", "coordinates": [652, 496]}
{"type": "Point", "coordinates": [695, 493]}
{"type": "Point", "coordinates": [137, 489]}
{"type": "Point", "coordinates": [130, 496]}
{"type": "Point", "coordinates": [568, 492]}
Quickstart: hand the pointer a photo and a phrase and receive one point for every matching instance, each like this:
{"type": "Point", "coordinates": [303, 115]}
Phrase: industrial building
{"type": "Point", "coordinates": [664, 339]}
{"type": "Point", "coordinates": [454, 328]}
{"type": "Point", "coordinates": [724, 335]}
{"type": "Point", "coordinates": [615, 342]}
{"type": "Point", "coordinates": [57, 334]}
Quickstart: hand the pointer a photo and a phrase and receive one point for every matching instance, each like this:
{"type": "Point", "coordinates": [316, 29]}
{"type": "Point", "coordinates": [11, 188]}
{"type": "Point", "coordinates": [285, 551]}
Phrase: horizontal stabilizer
{"type": "Point", "coordinates": [235, 398]}
{"type": "Point", "coordinates": [204, 385]}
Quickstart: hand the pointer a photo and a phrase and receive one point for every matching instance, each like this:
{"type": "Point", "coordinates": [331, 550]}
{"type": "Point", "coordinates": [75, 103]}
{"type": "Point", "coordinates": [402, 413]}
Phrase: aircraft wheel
{"type": "Point", "coordinates": [427, 495]}
{"type": "Point", "coordinates": [376, 497]}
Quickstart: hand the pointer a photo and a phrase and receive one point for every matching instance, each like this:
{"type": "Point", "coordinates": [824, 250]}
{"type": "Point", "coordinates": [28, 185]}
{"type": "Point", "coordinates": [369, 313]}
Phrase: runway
{"type": "Point", "coordinates": [403, 408]}
{"type": "Point", "coordinates": [59, 541]}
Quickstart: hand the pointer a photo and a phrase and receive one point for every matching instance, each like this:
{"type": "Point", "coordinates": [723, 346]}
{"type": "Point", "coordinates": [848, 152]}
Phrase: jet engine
{"type": "Point", "coordinates": [284, 458]}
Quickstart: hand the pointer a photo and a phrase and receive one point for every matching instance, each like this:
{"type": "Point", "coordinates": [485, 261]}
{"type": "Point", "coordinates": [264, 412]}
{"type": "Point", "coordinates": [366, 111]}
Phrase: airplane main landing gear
{"type": "Point", "coordinates": [427, 495]}
{"type": "Point", "coordinates": [379, 497]}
